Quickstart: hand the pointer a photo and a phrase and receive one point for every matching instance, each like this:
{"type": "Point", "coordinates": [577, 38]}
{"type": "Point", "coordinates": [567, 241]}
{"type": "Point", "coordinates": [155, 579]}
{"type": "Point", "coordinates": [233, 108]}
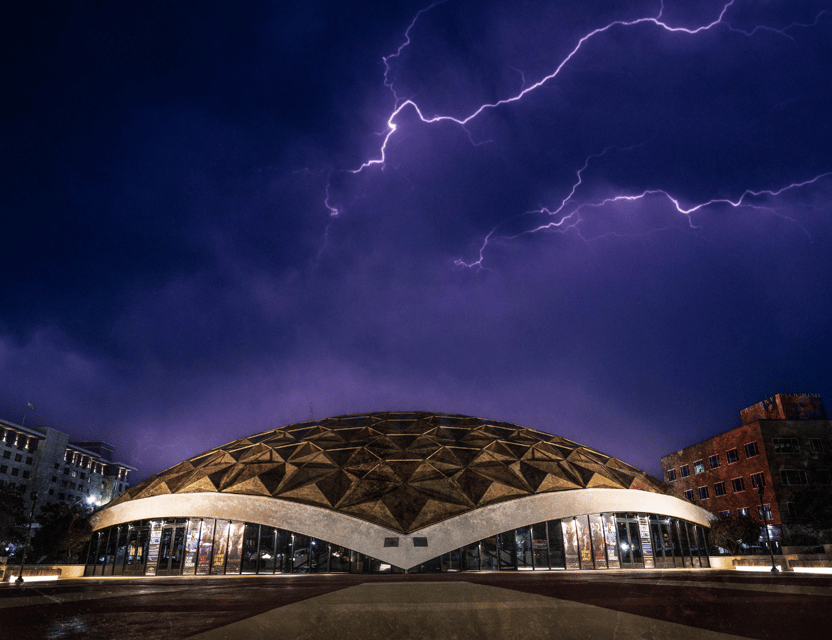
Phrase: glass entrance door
{"type": "Point", "coordinates": [171, 550]}
{"type": "Point", "coordinates": [629, 544]}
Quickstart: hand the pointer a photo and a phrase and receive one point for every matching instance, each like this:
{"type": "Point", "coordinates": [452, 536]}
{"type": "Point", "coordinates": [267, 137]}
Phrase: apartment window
{"type": "Point", "coordinates": [61, 496]}
{"type": "Point", "coordinates": [57, 466]}
{"type": "Point", "coordinates": [714, 461]}
{"type": "Point", "coordinates": [725, 514]}
{"type": "Point", "coordinates": [7, 454]}
{"type": "Point", "coordinates": [26, 473]}
{"type": "Point", "coordinates": [28, 459]}
{"type": "Point", "coordinates": [4, 468]}
{"type": "Point", "coordinates": [785, 445]}
{"type": "Point", "coordinates": [703, 493]}
{"type": "Point", "coordinates": [757, 480]}
{"type": "Point", "coordinates": [51, 492]}
{"type": "Point", "coordinates": [83, 476]}
{"type": "Point", "coordinates": [751, 450]}
{"type": "Point", "coordinates": [738, 485]}
{"type": "Point", "coordinates": [54, 478]}
{"type": "Point", "coordinates": [64, 483]}
{"type": "Point", "coordinates": [765, 511]}
{"type": "Point", "coordinates": [793, 476]}
{"type": "Point", "coordinates": [684, 470]}
{"type": "Point", "coordinates": [815, 445]}
{"type": "Point", "coordinates": [671, 475]}
{"type": "Point", "coordinates": [689, 494]}
{"type": "Point", "coordinates": [742, 511]}
{"type": "Point", "coordinates": [66, 471]}
{"type": "Point", "coordinates": [732, 456]}
{"type": "Point", "coordinates": [822, 476]}
{"type": "Point", "coordinates": [18, 458]}
{"type": "Point", "coordinates": [698, 466]}
{"type": "Point", "coordinates": [15, 471]}
{"type": "Point", "coordinates": [719, 488]}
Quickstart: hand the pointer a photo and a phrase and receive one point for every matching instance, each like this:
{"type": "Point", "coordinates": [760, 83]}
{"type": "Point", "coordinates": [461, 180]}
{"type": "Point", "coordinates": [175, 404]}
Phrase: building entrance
{"type": "Point", "coordinates": [170, 551]}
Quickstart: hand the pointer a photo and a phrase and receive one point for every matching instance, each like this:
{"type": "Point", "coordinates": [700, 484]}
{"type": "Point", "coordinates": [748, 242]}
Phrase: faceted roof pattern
{"type": "Point", "coordinates": [401, 470]}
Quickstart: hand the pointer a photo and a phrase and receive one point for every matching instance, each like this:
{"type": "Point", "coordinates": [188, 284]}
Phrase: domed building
{"type": "Point", "coordinates": [392, 492]}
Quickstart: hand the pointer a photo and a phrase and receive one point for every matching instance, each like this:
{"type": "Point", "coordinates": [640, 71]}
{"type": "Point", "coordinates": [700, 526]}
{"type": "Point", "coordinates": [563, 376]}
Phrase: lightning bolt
{"type": "Point", "coordinates": [565, 220]}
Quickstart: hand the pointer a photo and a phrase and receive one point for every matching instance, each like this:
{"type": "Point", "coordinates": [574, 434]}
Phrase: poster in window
{"type": "Point", "coordinates": [153, 550]}
{"type": "Point", "coordinates": [206, 544]}
{"type": "Point", "coordinates": [191, 546]}
{"type": "Point", "coordinates": [584, 542]}
{"type": "Point", "coordinates": [611, 540]}
{"type": "Point", "coordinates": [570, 543]}
{"type": "Point", "coordinates": [220, 546]}
{"type": "Point", "coordinates": [596, 527]}
{"type": "Point", "coordinates": [646, 544]}
{"type": "Point", "coordinates": [235, 547]}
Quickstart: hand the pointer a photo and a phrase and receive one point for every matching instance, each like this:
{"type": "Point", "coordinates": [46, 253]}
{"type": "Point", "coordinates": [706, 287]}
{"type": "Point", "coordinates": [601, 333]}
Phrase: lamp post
{"type": "Point", "coordinates": [28, 538]}
{"type": "Point", "coordinates": [765, 526]}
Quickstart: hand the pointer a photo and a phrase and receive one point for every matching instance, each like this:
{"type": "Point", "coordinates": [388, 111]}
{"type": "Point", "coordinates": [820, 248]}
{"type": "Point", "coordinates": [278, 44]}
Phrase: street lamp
{"type": "Point", "coordinates": [765, 526]}
{"type": "Point", "coordinates": [28, 538]}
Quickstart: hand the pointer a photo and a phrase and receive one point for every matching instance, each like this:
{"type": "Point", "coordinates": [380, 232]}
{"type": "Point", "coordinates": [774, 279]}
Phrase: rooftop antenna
{"type": "Point", "coordinates": [29, 405]}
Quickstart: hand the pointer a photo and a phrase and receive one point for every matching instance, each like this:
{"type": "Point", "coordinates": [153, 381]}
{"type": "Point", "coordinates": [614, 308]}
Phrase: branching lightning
{"type": "Point", "coordinates": [568, 213]}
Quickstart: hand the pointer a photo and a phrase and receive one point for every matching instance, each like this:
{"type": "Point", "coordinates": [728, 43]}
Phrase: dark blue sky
{"type": "Point", "coordinates": [191, 255]}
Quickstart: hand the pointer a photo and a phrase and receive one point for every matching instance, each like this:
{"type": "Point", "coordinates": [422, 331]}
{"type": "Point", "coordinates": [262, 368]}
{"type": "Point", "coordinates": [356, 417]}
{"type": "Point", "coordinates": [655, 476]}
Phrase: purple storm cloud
{"type": "Point", "coordinates": [609, 221]}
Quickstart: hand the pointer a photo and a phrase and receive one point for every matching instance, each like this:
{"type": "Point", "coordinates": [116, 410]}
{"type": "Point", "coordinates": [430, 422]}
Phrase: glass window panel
{"type": "Point", "coordinates": [685, 544]}
{"type": "Point", "coordinates": [177, 550]}
{"type": "Point", "coordinates": [523, 548]}
{"type": "Point", "coordinates": [251, 539]}
{"type": "Point", "coordinates": [557, 559]}
{"type": "Point", "coordinates": [596, 527]}
{"type": "Point", "coordinates": [268, 538]}
{"type": "Point", "coordinates": [220, 546]}
{"type": "Point", "coordinates": [142, 548]}
{"type": "Point", "coordinates": [490, 555]}
{"type": "Point", "coordinates": [300, 555]}
{"type": "Point", "coordinates": [584, 542]}
{"type": "Point", "coordinates": [206, 545]}
{"type": "Point", "coordinates": [644, 539]}
{"type": "Point", "coordinates": [434, 565]}
{"type": "Point", "coordinates": [320, 556]}
{"type": "Point", "coordinates": [540, 546]}
{"type": "Point", "coordinates": [506, 546]}
{"type": "Point", "coordinates": [121, 550]}
{"type": "Point", "coordinates": [626, 551]}
{"type": "Point", "coordinates": [570, 543]}
{"type": "Point", "coordinates": [191, 546]}
{"type": "Point", "coordinates": [450, 561]}
{"type": "Point", "coordinates": [339, 559]}
{"type": "Point", "coordinates": [164, 549]}
{"type": "Point", "coordinates": [470, 560]}
{"type": "Point", "coordinates": [635, 543]}
{"type": "Point", "coordinates": [694, 546]}
{"type": "Point", "coordinates": [611, 540]}
{"type": "Point", "coordinates": [235, 547]}
{"type": "Point", "coordinates": [153, 547]}
{"type": "Point", "coordinates": [132, 547]}
{"type": "Point", "coordinates": [283, 555]}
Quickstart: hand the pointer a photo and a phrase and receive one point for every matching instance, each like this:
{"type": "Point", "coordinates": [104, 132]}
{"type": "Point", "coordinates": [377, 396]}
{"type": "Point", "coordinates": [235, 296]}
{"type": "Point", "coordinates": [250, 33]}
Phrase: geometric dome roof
{"type": "Point", "coordinates": [400, 470]}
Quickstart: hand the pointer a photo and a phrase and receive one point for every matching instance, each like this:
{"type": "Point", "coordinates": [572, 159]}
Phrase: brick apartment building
{"type": "Point", "coordinates": [784, 443]}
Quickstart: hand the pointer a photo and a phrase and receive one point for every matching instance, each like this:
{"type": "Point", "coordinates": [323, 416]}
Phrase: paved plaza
{"type": "Point", "coordinates": [648, 605]}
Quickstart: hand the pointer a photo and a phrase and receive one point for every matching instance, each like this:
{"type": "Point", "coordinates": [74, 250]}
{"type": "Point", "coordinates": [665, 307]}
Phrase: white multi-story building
{"type": "Point", "coordinates": [44, 461]}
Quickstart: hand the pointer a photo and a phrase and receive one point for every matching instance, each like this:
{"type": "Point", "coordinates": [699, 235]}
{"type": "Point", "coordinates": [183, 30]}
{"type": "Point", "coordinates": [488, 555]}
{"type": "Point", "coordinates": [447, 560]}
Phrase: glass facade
{"type": "Point", "coordinates": [202, 546]}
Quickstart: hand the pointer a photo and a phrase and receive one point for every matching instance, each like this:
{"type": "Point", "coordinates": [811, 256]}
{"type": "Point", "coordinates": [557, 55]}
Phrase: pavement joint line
{"type": "Point", "coordinates": [26, 601]}
{"type": "Point", "coordinates": [791, 589]}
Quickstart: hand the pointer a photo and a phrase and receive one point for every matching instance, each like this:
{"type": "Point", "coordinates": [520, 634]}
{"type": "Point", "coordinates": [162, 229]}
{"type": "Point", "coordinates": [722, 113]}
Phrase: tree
{"type": "Point", "coordinates": [813, 509]}
{"type": "Point", "coordinates": [63, 531]}
{"type": "Point", "coordinates": [732, 531]}
{"type": "Point", "coordinates": [12, 516]}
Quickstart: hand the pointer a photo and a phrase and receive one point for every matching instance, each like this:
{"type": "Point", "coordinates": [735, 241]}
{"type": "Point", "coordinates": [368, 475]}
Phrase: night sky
{"type": "Point", "coordinates": [200, 237]}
